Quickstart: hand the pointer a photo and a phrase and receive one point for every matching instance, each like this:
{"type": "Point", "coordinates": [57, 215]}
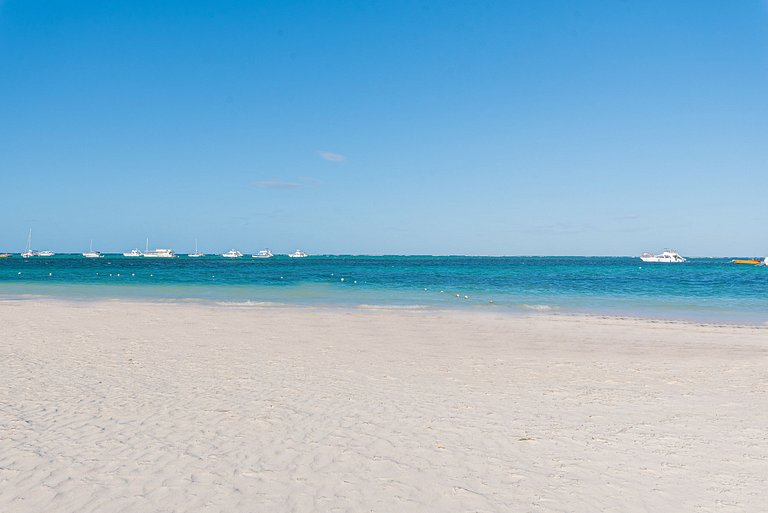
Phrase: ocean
{"type": "Point", "coordinates": [702, 289]}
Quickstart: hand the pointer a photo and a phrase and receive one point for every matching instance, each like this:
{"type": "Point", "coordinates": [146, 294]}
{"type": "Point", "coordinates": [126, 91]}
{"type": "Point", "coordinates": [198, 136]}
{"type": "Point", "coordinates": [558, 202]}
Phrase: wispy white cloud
{"type": "Point", "coordinates": [332, 157]}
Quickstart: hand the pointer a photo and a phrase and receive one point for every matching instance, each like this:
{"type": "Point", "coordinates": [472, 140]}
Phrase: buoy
{"type": "Point", "coordinates": [466, 297]}
{"type": "Point", "coordinates": [50, 274]}
{"type": "Point", "coordinates": [342, 279]}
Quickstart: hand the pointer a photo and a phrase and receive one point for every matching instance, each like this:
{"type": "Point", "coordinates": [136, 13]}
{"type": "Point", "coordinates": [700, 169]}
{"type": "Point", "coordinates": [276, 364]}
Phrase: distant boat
{"type": "Point", "coordinates": [232, 253]}
{"type": "Point", "coordinates": [668, 256]}
{"type": "Point", "coordinates": [133, 253]}
{"type": "Point", "coordinates": [5, 255]}
{"type": "Point", "coordinates": [747, 261]}
{"type": "Point", "coordinates": [298, 254]}
{"type": "Point", "coordinates": [91, 253]}
{"type": "Point", "coordinates": [31, 252]}
{"type": "Point", "coordinates": [196, 254]}
{"type": "Point", "coordinates": [264, 253]}
{"type": "Point", "coordinates": [158, 252]}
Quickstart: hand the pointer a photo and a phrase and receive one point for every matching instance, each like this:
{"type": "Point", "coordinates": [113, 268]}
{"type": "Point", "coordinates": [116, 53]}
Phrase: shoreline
{"type": "Point", "coordinates": [516, 311]}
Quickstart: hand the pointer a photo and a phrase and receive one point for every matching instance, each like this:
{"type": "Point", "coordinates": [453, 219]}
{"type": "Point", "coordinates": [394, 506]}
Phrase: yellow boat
{"type": "Point", "coordinates": [5, 255]}
{"type": "Point", "coordinates": [747, 261]}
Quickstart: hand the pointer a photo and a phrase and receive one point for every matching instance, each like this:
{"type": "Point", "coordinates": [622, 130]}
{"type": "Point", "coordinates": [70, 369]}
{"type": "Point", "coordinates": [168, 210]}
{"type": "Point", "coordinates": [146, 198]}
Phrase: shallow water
{"type": "Point", "coordinates": [700, 289]}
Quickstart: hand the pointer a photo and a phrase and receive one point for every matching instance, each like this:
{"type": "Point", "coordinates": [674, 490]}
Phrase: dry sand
{"type": "Point", "coordinates": [135, 407]}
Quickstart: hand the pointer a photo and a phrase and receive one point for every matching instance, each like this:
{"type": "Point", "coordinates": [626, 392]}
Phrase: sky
{"type": "Point", "coordinates": [385, 127]}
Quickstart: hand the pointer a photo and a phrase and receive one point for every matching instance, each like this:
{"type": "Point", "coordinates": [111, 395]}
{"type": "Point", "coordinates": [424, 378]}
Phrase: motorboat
{"type": "Point", "coordinates": [747, 261]}
{"type": "Point", "coordinates": [45, 253]}
{"type": "Point", "coordinates": [196, 254]}
{"type": "Point", "coordinates": [5, 255]}
{"type": "Point", "coordinates": [667, 256]}
{"type": "Point", "coordinates": [264, 253]}
{"type": "Point", "coordinates": [232, 253]}
{"type": "Point", "coordinates": [298, 254]}
{"type": "Point", "coordinates": [133, 253]}
{"type": "Point", "coordinates": [91, 253]}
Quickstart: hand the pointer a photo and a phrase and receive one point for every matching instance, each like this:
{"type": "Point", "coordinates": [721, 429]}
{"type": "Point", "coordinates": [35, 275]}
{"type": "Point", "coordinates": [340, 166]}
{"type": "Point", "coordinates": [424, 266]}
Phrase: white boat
{"type": "Point", "coordinates": [196, 254]}
{"type": "Point", "coordinates": [133, 253]}
{"type": "Point", "coordinates": [667, 256]}
{"type": "Point", "coordinates": [298, 254]}
{"type": "Point", "coordinates": [232, 253]}
{"type": "Point", "coordinates": [91, 253]}
{"type": "Point", "coordinates": [158, 252]}
{"type": "Point", "coordinates": [264, 253]}
{"type": "Point", "coordinates": [31, 252]}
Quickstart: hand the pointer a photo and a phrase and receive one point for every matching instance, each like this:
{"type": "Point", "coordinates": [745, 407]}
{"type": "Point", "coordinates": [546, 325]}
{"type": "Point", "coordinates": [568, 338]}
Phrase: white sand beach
{"type": "Point", "coordinates": [116, 406]}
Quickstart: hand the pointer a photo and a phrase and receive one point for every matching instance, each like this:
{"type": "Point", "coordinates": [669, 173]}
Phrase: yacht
{"type": "Point", "coordinates": [196, 254]}
{"type": "Point", "coordinates": [298, 254]}
{"type": "Point", "coordinates": [91, 253]}
{"type": "Point", "coordinates": [45, 253]}
{"type": "Point", "coordinates": [160, 253]}
{"type": "Point", "coordinates": [667, 256]}
{"type": "Point", "coordinates": [232, 253]}
{"type": "Point", "coordinates": [133, 253]}
{"type": "Point", "coordinates": [264, 253]}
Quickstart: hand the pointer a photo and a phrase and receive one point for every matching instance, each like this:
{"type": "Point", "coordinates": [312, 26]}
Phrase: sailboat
{"type": "Point", "coordinates": [29, 253]}
{"type": "Point", "coordinates": [91, 253]}
{"type": "Point", "coordinates": [196, 254]}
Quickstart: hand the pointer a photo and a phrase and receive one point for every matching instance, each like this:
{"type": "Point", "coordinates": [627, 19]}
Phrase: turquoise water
{"type": "Point", "coordinates": [701, 289]}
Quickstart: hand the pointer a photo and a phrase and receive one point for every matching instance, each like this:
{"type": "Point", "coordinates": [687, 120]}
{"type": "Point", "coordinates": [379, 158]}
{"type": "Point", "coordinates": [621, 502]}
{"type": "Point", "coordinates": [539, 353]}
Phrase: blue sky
{"type": "Point", "coordinates": [540, 127]}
